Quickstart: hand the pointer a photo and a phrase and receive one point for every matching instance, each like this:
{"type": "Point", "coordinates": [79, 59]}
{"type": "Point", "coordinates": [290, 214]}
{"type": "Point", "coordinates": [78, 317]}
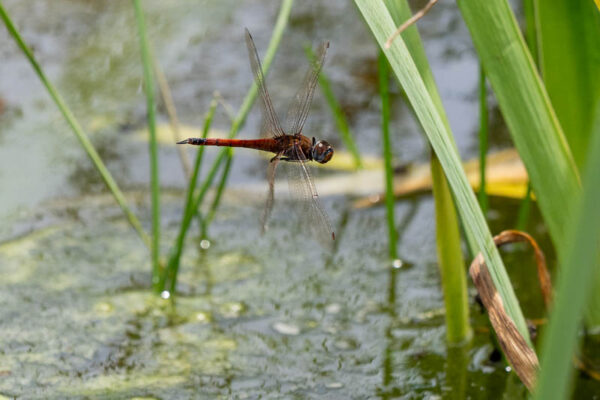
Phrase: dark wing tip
{"type": "Point", "coordinates": [186, 141]}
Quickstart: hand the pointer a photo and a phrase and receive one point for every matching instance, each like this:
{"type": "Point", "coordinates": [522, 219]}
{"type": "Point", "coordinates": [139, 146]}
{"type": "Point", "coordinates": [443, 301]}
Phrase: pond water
{"type": "Point", "coordinates": [273, 316]}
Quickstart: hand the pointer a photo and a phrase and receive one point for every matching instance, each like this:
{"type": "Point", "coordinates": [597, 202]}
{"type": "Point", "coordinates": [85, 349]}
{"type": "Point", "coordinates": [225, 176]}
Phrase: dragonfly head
{"type": "Point", "coordinates": [321, 151]}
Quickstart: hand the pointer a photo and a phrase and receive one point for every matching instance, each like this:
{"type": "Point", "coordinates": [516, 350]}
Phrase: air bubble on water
{"type": "Point", "coordinates": [397, 264]}
{"type": "Point", "coordinates": [165, 294]}
{"type": "Point", "coordinates": [286, 329]}
{"type": "Point", "coordinates": [204, 244]}
{"type": "Point", "coordinates": [334, 385]}
{"type": "Point", "coordinates": [333, 308]}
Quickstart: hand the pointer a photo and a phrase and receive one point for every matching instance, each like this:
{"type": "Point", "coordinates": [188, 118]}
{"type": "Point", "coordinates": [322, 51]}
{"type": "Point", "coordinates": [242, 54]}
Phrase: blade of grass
{"type": "Point", "coordinates": [524, 209]}
{"type": "Point", "coordinates": [434, 124]}
{"type": "Point", "coordinates": [450, 259]}
{"type": "Point", "coordinates": [240, 118]}
{"type": "Point", "coordinates": [400, 12]}
{"type": "Point", "coordinates": [165, 91]}
{"type": "Point", "coordinates": [383, 73]}
{"type": "Point", "coordinates": [153, 147]}
{"type": "Point", "coordinates": [210, 215]}
{"type": "Point", "coordinates": [453, 288]}
{"type": "Point", "coordinates": [170, 273]}
{"type": "Point", "coordinates": [76, 127]}
{"type": "Point", "coordinates": [570, 62]}
{"type": "Point", "coordinates": [336, 110]}
{"type": "Point", "coordinates": [526, 108]}
{"type": "Point", "coordinates": [531, 10]}
{"type": "Point", "coordinates": [575, 282]}
{"type": "Point", "coordinates": [483, 140]}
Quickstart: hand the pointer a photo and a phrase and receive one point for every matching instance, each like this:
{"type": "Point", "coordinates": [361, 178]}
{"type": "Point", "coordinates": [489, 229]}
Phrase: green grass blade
{"type": "Point", "coordinates": [76, 127]}
{"type": "Point", "coordinates": [531, 11]}
{"type": "Point", "coordinates": [383, 73]}
{"type": "Point", "coordinates": [170, 273]}
{"type": "Point", "coordinates": [448, 236]}
{"type": "Point", "coordinates": [400, 12]}
{"type": "Point", "coordinates": [483, 140]}
{"type": "Point", "coordinates": [524, 210]}
{"type": "Point", "coordinates": [526, 108]}
{"type": "Point", "coordinates": [153, 146]}
{"type": "Point", "coordinates": [575, 282]}
{"type": "Point", "coordinates": [240, 117]}
{"type": "Point", "coordinates": [336, 110]}
{"type": "Point", "coordinates": [450, 259]}
{"type": "Point", "coordinates": [210, 215]}
{"type": "Point", "coordinates": [569, 40]}
{"type": "Point", "coordinates": [434, 124]}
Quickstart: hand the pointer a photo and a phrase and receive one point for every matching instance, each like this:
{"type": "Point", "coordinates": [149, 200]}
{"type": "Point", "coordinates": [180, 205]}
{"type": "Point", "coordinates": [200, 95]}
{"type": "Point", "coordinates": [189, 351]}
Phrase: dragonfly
{"type": "Point", "coordinates": [288, 143]}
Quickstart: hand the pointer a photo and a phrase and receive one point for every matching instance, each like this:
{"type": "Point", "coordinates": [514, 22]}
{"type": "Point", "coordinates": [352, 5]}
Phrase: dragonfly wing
{"type": "Point", "coordinates": [271, 123]}
{"type": "Point", "coordinates": [298, 111]}
{"type": "Point", "coordinates": [304, 191]}
{"type": "Point", "coordinates": [271, 194]}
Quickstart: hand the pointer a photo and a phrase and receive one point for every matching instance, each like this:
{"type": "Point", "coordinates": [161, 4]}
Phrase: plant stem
{"type": "Point", "coordinates": [170, 272]}
{"type": "Point", "coordinates": [483, 140]}
{"type": "Point", "coordinates": [153, 147]}
{"type": "Point", "coordinates": [383, 73]}
{"type": "Point", "coordinates": [174, 260]}
{"type": "Point", "coordinates": [450, 259]}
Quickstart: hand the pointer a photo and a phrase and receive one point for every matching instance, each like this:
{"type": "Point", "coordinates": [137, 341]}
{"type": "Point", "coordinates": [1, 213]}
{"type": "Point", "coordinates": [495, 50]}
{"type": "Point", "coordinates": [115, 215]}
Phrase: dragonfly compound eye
{"type": "Point", "coordinates": [322, 152]}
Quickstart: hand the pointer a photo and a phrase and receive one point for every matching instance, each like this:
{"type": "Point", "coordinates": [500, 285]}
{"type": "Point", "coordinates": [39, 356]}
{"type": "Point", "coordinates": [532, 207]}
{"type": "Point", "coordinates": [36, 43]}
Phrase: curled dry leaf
{"type": "Point", "coordinates": [522, 358]}
{"type": "Point", "coordinates": [515, 347]}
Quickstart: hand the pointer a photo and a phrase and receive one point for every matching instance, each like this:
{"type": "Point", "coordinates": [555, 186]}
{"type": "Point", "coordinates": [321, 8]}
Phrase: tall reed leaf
{"type": "Point", "coordinates": [383, 72]}
{"type": "Point", "coordinates": [483, 139]}
{"type": "Point", "coordinates": [569, 40]}
{"type": "Point", "coordinates": [575, 282]}
{"type": "Point", "coordinates": [433, 123]}
{"type": "Point", "coordinates": [240, 118]}
{"type": "Point", "coordinates": [450, 259]}
{"type": "Point", "coordinates": [400, 12]}
{"type": "Point", "coordinates": [526, 108]}
{"type": "Point", "coordinates": [196, 199]}
{"type": "Point", "coordinates": [153, 146]}
{"type": "Point", "coordinates": [76, 128]}
{"type": "Point", "coordinates": [529, 115]}
{"type": "Point", "coordinates": [169, 276]}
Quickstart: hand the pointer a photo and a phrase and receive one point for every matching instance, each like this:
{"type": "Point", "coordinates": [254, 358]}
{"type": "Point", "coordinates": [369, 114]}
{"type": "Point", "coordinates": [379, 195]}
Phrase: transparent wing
{"type": "Point", "coordinates": [271, 124]}
{"type": "Point", "coordinates": [298, 111]}
{"type": "Point", "coordinates": [304, 192]}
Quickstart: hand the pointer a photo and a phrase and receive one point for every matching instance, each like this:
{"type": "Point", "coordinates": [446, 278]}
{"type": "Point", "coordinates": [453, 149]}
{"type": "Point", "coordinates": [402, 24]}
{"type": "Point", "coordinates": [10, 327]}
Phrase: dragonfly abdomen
{"type": "Point", "coordinates": [257, 144]}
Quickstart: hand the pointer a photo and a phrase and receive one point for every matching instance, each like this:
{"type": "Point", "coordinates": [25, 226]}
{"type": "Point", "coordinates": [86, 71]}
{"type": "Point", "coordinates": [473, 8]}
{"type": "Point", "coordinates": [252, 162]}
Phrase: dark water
{"type": "Point", "coordinates": [257, 317]}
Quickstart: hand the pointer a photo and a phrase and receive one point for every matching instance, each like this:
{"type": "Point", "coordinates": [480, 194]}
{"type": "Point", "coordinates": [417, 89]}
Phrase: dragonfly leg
{"type": "Point", "coordinates": [270, 195]}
